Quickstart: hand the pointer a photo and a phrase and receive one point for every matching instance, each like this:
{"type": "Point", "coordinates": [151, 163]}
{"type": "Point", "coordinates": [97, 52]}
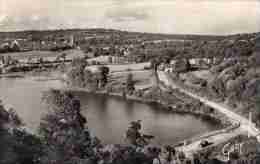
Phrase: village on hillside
{"type": "Point", "coordinates": [214, 78]}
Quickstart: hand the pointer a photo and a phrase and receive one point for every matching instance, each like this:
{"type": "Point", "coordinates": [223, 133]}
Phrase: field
{"type": "Point", "coordinates": [203, 74]}
{"type": "Point", "coordinates": [143, 79]}
{"type": "Point", "coordinates": [128, 67]}
{"type": "Point", "coordinates": [125, 67]}
{"type": "Point", "coordinates": [101, 59]}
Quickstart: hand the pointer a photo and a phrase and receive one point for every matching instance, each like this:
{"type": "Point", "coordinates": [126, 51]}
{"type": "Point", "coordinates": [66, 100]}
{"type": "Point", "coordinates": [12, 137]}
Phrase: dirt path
{"type": "Point", "coordinates": [194, 147]}
{"type": "Point", "coordinates": [245, 123]}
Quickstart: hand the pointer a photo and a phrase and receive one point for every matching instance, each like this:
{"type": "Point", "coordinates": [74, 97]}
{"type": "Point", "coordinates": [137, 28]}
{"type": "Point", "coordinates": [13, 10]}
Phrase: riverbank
{"type": "Point", "coordinates": [171, 100]}
{"type": "Point", "coordinates": [178, 150]}
{"type": "Point", "coordinates": [185, 109]}
{"type": "Point", "coordinates": [13, 75]}
{"type": "Point", "coordinates": [174, 108]}
{"type": "Point", "coordinates": [104, 113]}
{"type": "Point", "coordinates": [49, 74]}
{"type": "Point", "coordinates": [221, 107]}
{"type": "Point", "coordinates": [246, 127]}
{"type": "Point", "coordinates": [175, 101]}
{"type": "Point", "coordinates": [189, 145]}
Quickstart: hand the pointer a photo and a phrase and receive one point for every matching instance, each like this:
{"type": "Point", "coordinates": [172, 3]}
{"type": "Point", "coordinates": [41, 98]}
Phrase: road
{"type": "Point", "coordinates": [244, 122]}
{"type": "Point", "coordinates": [217, 139]}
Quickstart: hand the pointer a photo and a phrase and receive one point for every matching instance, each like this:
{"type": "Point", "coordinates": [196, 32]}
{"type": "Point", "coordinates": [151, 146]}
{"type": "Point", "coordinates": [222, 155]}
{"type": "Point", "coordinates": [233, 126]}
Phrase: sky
{"type": "Point", "coordinates": [220, 17]}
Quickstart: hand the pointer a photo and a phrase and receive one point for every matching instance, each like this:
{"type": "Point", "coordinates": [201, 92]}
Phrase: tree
{"type": "Point", "coordinates": [154, 64]}
{"type": "Point", "coordinates": [130, 84]}
{"type": "Point", "coordinates": [63, 56]}
{"type": "Point", "coordinates": [254, 61]}
{"type": "Point", "coordinates": [91, 80]}
{"type": "Point", "coordinates": [40, 60]}
{"type": "Point", "coordinates": [110, 59]}
{"type": "Point", "coordinates": [135, 137]}
{"type": "Point", "coordinates": [76, 74]}
{"type": "Point", "coordinates": [64, 129]}
{"type": "Point", "coordinates": [79, 62]}
{"type": "Point", "coordinates": [17, 146]}
{"type": "Point", "coordinates": [4, 116]}
{"type": "Point", "coordinates": [103, 75]}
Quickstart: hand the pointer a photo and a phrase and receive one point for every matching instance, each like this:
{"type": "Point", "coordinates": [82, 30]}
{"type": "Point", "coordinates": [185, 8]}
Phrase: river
{"type": "Point", "coordinates": [108, 117]}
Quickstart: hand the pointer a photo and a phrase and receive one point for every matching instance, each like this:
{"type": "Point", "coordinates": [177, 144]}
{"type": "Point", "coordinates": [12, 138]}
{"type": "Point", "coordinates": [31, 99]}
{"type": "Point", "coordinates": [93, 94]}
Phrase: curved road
{"type": "Point", "coordinates": [245, 123]}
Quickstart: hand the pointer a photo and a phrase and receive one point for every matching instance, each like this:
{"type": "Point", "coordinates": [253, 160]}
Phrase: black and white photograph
{"type": "Point", "coordinates": [129, 81]}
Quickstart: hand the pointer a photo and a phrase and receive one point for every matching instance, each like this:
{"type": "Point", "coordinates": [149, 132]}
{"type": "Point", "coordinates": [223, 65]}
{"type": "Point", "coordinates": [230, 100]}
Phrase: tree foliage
{"type": "Point", "coordinates": [64, 131]}
{"type": "Point", "coordinates": [80, 76]}
{"type": "Point", "coordinates": [130, 83]}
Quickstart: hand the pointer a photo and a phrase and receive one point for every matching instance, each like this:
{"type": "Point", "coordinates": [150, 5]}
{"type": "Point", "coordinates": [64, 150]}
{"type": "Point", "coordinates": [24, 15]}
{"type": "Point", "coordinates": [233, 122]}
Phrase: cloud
{"type": "Point", "coordinates": [164, 16]}
{"type": "Point", "coordinates": [126, 14]}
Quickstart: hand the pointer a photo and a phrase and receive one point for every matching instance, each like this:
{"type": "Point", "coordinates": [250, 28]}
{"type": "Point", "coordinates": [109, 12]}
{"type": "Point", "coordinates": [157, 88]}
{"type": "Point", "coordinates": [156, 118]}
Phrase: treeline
{"type": "Point", "coordinates": [234, 68]}
{"type": "Point", "coordinates": [215, 51]}
{"type": "Point", "coordinates": [237, 81]}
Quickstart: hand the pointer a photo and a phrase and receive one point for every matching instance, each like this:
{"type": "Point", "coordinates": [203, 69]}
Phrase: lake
{"type": "Point", "coordinates": [108, 116]}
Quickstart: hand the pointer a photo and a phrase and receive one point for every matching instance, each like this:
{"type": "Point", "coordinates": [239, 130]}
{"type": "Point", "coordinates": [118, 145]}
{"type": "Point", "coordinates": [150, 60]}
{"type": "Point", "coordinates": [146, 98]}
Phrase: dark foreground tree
{"type": "Point", "coordinates": [63, 129]}
{"type": "Point", "coordinates": [17, 146]}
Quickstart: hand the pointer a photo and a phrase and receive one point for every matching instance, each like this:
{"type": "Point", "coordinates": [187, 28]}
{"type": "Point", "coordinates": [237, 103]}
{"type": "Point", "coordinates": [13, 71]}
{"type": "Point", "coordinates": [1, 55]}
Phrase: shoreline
{"type": "Point", "coordinates": [224, 129]}
{"type": "Point", "coordinates": [169, 108]}
{"type": "Point", "coordinates": [14, 74]}
{"type": "Point", "coordinates": [164, 105]}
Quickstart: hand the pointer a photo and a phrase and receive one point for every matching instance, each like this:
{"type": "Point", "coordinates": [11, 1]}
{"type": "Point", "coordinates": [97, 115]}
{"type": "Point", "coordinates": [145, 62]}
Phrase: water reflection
{"type": "Point", "coordinates": [108, 117]}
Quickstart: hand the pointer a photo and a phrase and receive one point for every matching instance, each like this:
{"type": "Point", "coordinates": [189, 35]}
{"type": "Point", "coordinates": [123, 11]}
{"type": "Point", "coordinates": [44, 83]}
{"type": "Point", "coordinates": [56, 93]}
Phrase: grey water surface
{"type": "Point", "coordinates": [108, 117]}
